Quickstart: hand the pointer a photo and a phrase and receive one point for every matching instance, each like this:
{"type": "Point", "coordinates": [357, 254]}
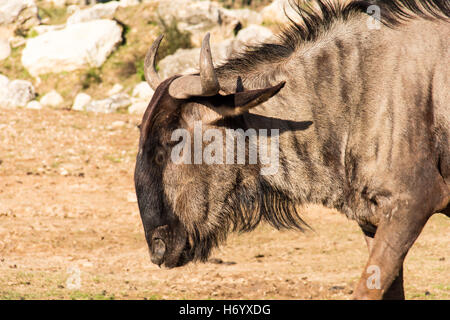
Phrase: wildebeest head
{"type": "Point", "coordinates": [180, 203]}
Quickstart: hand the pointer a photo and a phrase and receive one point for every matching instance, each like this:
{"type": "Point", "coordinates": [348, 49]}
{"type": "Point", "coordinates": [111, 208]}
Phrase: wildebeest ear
{"type": "Point", "coordinates": [240, 102]}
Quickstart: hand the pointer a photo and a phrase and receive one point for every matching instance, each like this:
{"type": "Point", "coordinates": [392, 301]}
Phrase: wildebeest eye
{"type": "Point", "coordinates": [159, 156]}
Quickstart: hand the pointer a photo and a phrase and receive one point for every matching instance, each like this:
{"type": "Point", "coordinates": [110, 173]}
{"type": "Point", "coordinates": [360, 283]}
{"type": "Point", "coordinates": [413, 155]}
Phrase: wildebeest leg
{"type": "Point", "coordinates": [395, 291]}
{"type": "Point", "coordinates": [394, 237]}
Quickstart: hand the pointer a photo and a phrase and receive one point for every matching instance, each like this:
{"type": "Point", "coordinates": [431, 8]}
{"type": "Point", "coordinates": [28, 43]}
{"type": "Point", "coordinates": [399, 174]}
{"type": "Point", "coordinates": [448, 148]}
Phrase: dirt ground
{"type": "Point", "coordinates": [68, 208]}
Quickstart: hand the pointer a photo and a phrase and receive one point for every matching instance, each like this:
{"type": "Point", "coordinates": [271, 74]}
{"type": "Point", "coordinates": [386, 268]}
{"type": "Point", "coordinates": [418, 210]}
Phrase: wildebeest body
{"type": "Point", "coordinates": [378, 103]}
{"type": "Point", "coordinates": [363, 120]}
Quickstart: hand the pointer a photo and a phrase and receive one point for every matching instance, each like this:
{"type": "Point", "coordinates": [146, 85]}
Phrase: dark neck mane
{"type": "Point", "coordinates": [311, 23]}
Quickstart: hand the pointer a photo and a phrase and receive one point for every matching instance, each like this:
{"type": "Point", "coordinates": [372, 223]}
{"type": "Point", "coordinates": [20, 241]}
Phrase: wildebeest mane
{"type": "Point", "coordinates": [246, 207]}
{"type": "Point", "coordinates": [313, 22]}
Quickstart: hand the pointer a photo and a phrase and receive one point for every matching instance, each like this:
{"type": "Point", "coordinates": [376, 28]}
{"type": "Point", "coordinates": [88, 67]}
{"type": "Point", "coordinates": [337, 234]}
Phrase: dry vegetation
{"type": "Point", "coordinates": [67, 200]}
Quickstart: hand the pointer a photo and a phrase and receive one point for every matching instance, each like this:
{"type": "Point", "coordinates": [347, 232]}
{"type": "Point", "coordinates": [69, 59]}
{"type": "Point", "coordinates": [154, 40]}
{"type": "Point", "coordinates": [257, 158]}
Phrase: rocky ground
{"type": "Point", "coordinates": [67, 208]}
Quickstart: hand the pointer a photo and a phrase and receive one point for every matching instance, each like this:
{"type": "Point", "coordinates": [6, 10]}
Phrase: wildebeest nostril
{"type": "Point", "coordinates": [158, 248]}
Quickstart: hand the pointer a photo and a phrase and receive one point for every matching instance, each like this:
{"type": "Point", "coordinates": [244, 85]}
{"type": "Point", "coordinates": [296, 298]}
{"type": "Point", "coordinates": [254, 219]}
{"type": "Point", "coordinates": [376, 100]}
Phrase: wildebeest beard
{"type": "Point", "coordinates": [246, 204]}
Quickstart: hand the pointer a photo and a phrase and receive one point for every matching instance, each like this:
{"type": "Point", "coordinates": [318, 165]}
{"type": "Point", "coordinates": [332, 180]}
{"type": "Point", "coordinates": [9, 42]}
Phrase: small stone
{"type": "Point", "coordinates": [143, 91]}
{"type": "Point", "coordinates": [138, 107]}
{"type": "Point", "coordinates": [131, 197]}
{"type": "Point", "coordinates": [109, 105]}
{"type": "Point", "coordinates": [3, 80]}
{"type": "Point", "coordinates": [72, 8]}
{"type": "Point", "coordinates": [15, 93]}
{"type": "Point", "coordinates": [5, 48]}
{"type": "Point", "coordinates": [252, 36]}
{"type": "Point", "coordinates": [117, 124]}
{"type": "Point", "coordinates": [128, 3]}
{"type": "Point", "coordinates": [19, 14]}
{"type": "Point", "coordinates": [52, 99]}
{"type": "Point", "coordinates": [34, 105]}
{"type": "Point", "coordinates": [81, 101]}
{"type": "Point", "coordinates": [117, 88]}
{"type": "Point", "coordinates": [98, 11]}
{"type": "Point", "coordinates": [87, 264]}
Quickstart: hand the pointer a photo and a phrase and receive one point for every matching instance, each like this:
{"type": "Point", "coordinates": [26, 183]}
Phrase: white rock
{"type": "Point", "coordinates": [98, 11]}
{"type": "Point", "coordinates": [72, 8]}
{"type": "Point", "coordinates": [81, 101]}
{"type": "Point", "coordinates": [184, 61]}
{"type": "Point", "coordinates": [3, 81]}
{"type": "Point", "coordinates": [181, 62]}
{"type": "Point", "coordinates": [117, 124]}
{"type": "Point", "coordinates": [251, 36]}
{"type": "Point", "coordinates": [34, 105]}
{"type": "Point", "coordinates": [23, 13]}
{"type": "Point", "coordinates": [5, 49]}
{"type": "Point", "coordinates": [6, 32]}
{"type": "Point", "coordinates": [138, 107]}
{"type": "Point", "coordinates": [86, 44]}
{"type": "Point", "coordinates": [63, 172]}
{"type": "Point", "coordinates": [143, 91]}
{"type": "Point", "coordinates": [16, 93]}
{"type": "Point", "coordinates": [246, 16]}
{"type": "Point", "coordinates": [128, 3]}
{"type": "Point", "coordinates": [52, 99]}
{"type": "Point", "coordinates": [43, 28]}
{"type": "Point", "coordinates": [275, 12]}
{"type": "Point", "coordinates": [199, 17]}
{"type": "Point", "coordinates": [58, 3]}
{"type": "Point", "coordinates": [131, 197]}
{"type": "Point", "coordinates": [115, 89]}
{"type": "Point", "coordinates": [254, 34]}
{"type": "Point", "coordinates": [110, 104]}
{"type": "Point", "coordinates": [87, 264]}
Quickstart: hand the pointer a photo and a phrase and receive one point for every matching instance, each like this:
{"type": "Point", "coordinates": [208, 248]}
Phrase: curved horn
{"type": "Point", "coordinates": [149, 64]}
{"type": "Point", "coordinates": [206, 84]}
{"type": "Point", "coordinates": [210, 84]}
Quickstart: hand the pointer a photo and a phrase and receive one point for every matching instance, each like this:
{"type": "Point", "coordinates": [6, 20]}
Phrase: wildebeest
{"type": "Point", "coordinates": [363, 119]}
